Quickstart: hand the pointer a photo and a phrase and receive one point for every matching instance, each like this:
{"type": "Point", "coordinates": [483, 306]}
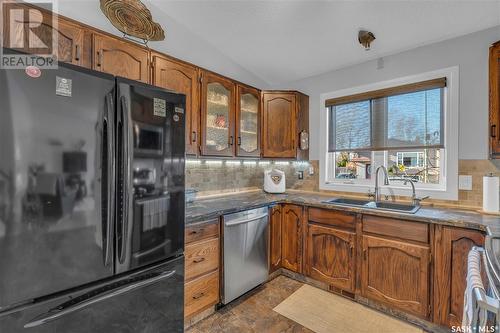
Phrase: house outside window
{"type": "Point", "coordinates": [405, 128]}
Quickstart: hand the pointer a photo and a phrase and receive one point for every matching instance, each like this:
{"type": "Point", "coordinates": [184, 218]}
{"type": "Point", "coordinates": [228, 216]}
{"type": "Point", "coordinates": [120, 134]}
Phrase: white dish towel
{"type": "Point", "coordinates": [473, 281]}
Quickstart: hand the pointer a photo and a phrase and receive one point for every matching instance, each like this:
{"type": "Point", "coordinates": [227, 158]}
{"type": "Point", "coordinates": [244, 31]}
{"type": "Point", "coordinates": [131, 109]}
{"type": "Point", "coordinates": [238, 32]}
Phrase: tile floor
{"type": "Point", "coordinates": [254, 313]}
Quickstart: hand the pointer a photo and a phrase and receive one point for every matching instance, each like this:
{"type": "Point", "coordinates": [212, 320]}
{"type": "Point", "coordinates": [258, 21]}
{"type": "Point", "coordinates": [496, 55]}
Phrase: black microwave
{"type": "Point", "coordinates": [148, 139]}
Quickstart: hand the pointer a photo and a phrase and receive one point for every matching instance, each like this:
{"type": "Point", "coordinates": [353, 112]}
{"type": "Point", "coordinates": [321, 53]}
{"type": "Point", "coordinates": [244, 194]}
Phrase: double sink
{"type": "Point", "coordinates": [378, 205]}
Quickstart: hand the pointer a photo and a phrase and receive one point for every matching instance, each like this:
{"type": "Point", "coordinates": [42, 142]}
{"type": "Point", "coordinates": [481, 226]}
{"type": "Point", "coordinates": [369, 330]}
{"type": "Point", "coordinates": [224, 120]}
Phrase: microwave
{"type": "Point", "coordinates": [148, 139]}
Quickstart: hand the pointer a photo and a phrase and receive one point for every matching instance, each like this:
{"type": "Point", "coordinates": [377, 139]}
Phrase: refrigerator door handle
{"type": "Point", "coordinates": [108, 134]}
{"type": "Point", "coordinates": [98, 295]}
{"type": "Point", "coordinates": [124, 179]}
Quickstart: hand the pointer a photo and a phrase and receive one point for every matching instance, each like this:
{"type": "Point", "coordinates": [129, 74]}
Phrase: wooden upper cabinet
{"type": "Point", "coordinates": [494, 82]}
{"type": "Point", "coordinates": [278, 125]}
{"type": "Point", "coordinates": [248, 121]}
{"type": "Point", "coordinates": [120, 58]}
{"type": "Point", "coordinates": [25, 20]}
{"type": "Point", "coordinates": [396, 273]}
{"type": "Point", "coordinates": [331, 256]}
{"type": "Point", "coordinates": [291, 238]}
{"type": "Point", "coordinates": [451, 247]}
{"type": "Point", "coordinates": [217, 115]}
{"type": "Point", "coordinates": [181, 78]}
{"type": "Point", "coordinates": [275, 230]}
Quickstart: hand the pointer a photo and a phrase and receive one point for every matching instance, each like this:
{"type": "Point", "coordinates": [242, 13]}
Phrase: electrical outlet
{"type": "Point", "coordinates": [300, 174]}
{"type": "Point", "coordinates": [311, 170]}
{"type": "Point", "coordinates": [465, 182]}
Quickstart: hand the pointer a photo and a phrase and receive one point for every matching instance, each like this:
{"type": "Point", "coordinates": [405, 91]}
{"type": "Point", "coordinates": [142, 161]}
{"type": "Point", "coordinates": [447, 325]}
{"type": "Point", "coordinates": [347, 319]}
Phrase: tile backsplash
{"type": "Point", "coordinates": [211, 177]}
{"type": "Point", "coordinates": [224, 176]}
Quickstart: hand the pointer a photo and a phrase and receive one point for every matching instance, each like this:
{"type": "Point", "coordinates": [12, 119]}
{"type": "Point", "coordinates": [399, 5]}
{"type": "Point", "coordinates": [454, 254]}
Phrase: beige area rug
{"type": "Point", "coordinates": [324, 312]}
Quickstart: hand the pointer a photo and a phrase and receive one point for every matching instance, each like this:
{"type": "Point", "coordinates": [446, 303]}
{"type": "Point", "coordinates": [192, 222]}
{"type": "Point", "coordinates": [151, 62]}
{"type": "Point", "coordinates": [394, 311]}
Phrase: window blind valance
{"type": "Point", "coordinates": [408, 119]}
{"type": "Point", "coordinates": [406, 88]}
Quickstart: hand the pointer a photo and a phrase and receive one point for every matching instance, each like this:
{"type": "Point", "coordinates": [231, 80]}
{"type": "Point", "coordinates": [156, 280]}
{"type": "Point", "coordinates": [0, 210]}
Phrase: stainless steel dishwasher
{"type": "Point", "coordinates": [245, 252]}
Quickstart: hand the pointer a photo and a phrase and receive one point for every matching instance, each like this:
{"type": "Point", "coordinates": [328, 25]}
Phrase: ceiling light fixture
{"type": "Point", "coordinates": [365, 38]}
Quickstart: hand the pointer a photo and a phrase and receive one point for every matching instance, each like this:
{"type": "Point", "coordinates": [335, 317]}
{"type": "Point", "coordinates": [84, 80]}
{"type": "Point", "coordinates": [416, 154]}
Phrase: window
{"type": "Point", "coordinates": [401, 127]}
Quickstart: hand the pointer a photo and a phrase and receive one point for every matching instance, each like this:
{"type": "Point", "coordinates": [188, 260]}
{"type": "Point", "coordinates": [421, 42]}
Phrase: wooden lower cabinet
{"type": "Point", "coordinates": [331, 256]}
{"type": "Point", "coordinates": [201, 293]}
{"type": "Point", "coordinates": [202, 257]}
{"type": "Point", "coordinates": [291, 238]}
{"type": "Point", "coordinates": [275, 238]}
{"type": "Point", "coordinates": [396, 274]}
{"type": "Point", "coordinates": [451, 247]}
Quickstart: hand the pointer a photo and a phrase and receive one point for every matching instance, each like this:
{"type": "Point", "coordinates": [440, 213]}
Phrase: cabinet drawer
{"type": "Point", "coordinates": [201, 257]}
{"type": "Point", "coordinates": [201, 293]}
{"type": "Point", "coordinates": [202, 230]}
{"type": "Point", "coordinates": [332, 217]}
{"type": "Point", "coordinates": [413, 231]}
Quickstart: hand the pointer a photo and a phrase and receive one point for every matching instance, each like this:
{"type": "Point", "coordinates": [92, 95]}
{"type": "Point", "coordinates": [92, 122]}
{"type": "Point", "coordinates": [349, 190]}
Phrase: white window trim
{"type": "Point", "coordinates": [449, 190]}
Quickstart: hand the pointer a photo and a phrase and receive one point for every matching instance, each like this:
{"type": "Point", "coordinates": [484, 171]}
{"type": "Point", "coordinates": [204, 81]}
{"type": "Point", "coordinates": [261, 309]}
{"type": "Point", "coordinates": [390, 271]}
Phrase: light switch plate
{"type": "Point", "coordinates": [465, 182]}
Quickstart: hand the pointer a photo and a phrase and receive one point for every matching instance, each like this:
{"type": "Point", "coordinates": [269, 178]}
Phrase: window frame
{"type": "Point", "coordinates": [448, 188]}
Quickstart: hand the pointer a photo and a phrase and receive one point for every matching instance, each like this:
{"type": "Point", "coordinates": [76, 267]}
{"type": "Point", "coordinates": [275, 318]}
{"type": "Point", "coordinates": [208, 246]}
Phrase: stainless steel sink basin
{"type": "Point", "coordinates": [392, 206]}
{"type": "Point", "coordinates": [349, 202]}
{"type": "Point", "coordinates": [381, 205]}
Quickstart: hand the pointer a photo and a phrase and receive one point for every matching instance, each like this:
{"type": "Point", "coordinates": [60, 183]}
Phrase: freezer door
{"type": "Point", "coordinates": [148, 302]}
{"type": "Point", "coordinates": [54, 162]}
{"type": "Point", "coordinates": [150, 175]}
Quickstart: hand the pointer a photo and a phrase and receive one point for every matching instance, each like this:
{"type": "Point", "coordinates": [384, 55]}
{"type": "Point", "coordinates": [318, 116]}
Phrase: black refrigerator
{"type": "Point", "coordinates": [91, 203]}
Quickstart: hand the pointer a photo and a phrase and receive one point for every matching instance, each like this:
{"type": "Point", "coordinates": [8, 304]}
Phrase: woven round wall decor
{"type": "Point", "coordinates": [132, 18]}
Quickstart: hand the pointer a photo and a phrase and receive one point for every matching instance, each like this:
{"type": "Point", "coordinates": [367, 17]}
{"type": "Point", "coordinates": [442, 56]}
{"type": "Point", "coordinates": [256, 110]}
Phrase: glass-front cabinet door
{"type": "Point", "coordinates": [217, 115]}
{"type": "Point", "coordinates": [247, 122]}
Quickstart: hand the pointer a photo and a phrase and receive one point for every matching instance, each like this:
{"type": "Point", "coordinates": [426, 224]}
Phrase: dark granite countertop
{"type": "Point", "coordinates": [204, 209]}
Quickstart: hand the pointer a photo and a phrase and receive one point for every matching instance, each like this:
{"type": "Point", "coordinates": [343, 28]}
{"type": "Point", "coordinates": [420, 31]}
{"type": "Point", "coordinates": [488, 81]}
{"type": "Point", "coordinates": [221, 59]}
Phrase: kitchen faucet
{"type": "Point", "coordinates": [386, 181]}
{"type": "Point", "coordinates": [415, 201]}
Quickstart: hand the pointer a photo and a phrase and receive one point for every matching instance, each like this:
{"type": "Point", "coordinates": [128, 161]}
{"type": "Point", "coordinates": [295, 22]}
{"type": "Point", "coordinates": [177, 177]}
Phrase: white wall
{"type": "Point", "coordinates": [469, 52]}
{"type": "Point", "coordinates": [179, 41]}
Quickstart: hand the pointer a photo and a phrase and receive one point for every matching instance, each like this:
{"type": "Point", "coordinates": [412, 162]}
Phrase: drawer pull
{"type": "Point", "coordinates": [198, 296]}
{"type": "Point", "coordinates": [194, 232]}
{"type": "Point", "coordinates": [198, 260]}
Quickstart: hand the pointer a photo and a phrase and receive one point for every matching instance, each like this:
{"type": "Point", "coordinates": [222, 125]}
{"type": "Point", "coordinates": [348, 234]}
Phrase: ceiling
{"type": "Point", "coordinates": [284, 41]}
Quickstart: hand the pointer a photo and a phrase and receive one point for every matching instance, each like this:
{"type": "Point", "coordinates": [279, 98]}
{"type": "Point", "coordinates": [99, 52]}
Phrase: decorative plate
{"type": "Point", "coordinates": [132, 18]}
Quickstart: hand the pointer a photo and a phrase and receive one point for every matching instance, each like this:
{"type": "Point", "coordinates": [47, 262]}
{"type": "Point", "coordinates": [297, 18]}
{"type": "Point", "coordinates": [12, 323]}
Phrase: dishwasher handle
{"type": "Point", "coordinates": [244, 220]}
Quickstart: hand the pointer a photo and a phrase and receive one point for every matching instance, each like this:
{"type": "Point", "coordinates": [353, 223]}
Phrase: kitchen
{"type": "Point", "coordinates": [180, 168]}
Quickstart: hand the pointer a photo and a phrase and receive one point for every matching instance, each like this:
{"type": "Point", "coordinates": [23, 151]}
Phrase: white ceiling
{"type": "Point", "coordinates": [284, 41]}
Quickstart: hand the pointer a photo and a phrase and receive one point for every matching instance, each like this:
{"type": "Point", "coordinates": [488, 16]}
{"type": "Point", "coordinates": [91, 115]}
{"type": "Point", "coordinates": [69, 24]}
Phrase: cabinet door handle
{"type": "Point", "coordinates": [99, 58]}
{"type": "Point", "coordinates": [493, 131]}
{"type": "Point", "coordinates": [77, 52]}
{"type": "Point", "coordinates": [193, 136]}
{"type": "Point", "coordinates": [198, 260]}
{"type": "Point", "coordinates": [364, 254]}
{"type": "Point", "coordinates": [199, 295]}
{"type": "Point", "coordinates": [231, 140]}
{"type": "Point", "coordinates": [352, 251]}
{"type": "Point", "coordinates": [239, 141]}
